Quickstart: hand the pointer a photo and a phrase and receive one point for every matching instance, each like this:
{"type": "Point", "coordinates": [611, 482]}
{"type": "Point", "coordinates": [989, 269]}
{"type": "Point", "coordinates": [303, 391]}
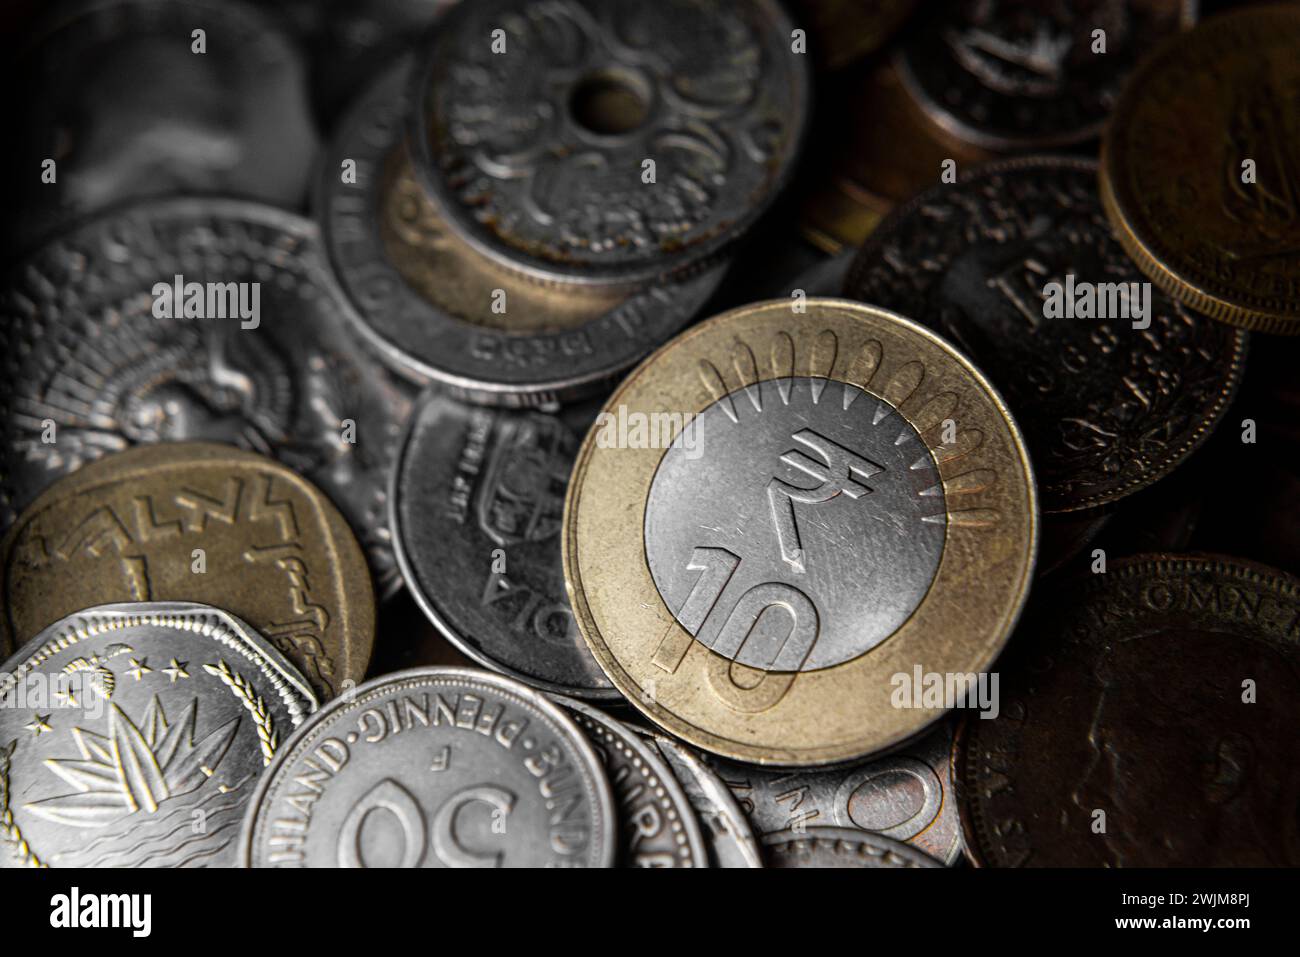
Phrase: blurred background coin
{"type": "Point", "coordinates": [474, 770]}
{"type": "Point", "coordinates": [839, 847]}
{"type": "Point", "coordinates": [196, 522]}
{"type": "Point", "coordinates": [124, 725]}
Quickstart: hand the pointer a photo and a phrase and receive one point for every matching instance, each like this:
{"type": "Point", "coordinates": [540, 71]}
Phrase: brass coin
{"type": "Point", "coordinates": [1174, 159]}
{"type": "Point", "coordinates": [196, 522]}
{"type": "Point", "coordinates": [763, 530]}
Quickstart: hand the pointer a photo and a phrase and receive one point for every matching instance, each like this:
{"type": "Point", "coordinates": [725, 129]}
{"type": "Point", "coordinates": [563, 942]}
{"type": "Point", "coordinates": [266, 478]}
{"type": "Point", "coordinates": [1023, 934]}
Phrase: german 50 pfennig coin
{"type": "Point", "coordinates": [123, 725]}
{"type": "Point", "coordinates": [772, 523]}
{"type": "Point", "coordinates": [469, 769]}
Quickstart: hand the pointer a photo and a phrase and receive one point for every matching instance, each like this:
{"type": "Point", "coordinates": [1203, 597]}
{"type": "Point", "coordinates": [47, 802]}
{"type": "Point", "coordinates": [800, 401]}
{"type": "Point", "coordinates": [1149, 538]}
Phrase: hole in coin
{"type": "Point", "coordinates": [609, 103]}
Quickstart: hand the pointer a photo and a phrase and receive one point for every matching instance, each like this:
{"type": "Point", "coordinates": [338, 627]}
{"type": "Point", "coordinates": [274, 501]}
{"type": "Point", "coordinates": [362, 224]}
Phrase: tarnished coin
{"type": "Point", "coordinates": [196, 522]}
{"type": "Point", "coordinates": [608, 142]}
{"type": "Point", "coordinates": [100, 351]}
{"type": "Point", "coordinates": [1147, 721]}
{"type": "Point", "coordinates": [123, 726]}
{"type": "Point", "coordinates": [656, 825]}
{"type": "Point", "coordinates": [1113, 383]}
{"type": "Point", "coordinates": [437, 310]}
{"type": "Point", "coordinates": [765, 530]}
{"type": "Point", "coordinates": [844, 31]}
{"type": "Point", "coordinates": [1023, 74]}
{"type": "Point", "coordinates": [477, 511]}
{"type": "Point", "coordinates": [907, 796]}
{"type": "Point", "coordinates": [471, 770]}
{"type": "Point", "coordinates": [1199, 168]}
{"type": "Point", "coordinates": [839, 847]}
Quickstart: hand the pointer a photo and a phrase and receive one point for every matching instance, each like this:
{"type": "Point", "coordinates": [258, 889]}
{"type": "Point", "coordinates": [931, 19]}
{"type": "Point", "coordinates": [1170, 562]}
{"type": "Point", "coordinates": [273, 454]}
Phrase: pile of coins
{"type": "Point", "coordinates": [602, 433]}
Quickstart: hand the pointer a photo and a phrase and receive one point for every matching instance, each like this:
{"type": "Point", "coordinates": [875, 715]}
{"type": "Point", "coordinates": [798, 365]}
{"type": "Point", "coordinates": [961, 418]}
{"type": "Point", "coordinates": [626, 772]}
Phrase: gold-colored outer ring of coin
{"type": "Point", "coordinates": [840, 500]}
{"type": "Point", "coordinates": [1172, 168]}
{"type": "Point", "coordinates": [196, 522]}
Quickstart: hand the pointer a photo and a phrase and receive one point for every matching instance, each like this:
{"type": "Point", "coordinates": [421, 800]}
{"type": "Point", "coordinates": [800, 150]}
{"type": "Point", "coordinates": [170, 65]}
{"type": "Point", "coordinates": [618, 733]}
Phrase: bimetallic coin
{"type": "Point", "coordinates": [609, 142]}
{"type": "Point", "coordinates": [1023, 74]}
{"type": "Point", "coordinates": [477, 510]}
{"type": "Point", "coordinates": [1199, 168]}
{"type": "Point", "coordinates": [471, 770]}
{"type": "Point", "coordinates": [1017, 265]}
{"type": "Point", "coordinates": [438, 311]}
{"type": "Point", "coordinates": [839, 847]}
{"type": "Point", "coordinates": [124, 726]}
{"type": "Point", "coordinates": [101, 351]}
{"type": "Point", "coordinates": [1147, 721]}
{"type": "Point", "coordinates": [656, 825]}
{"type": "Point", "coordinates": [196, 522]}
{"type": "Point", "coordinates": [764, 529]}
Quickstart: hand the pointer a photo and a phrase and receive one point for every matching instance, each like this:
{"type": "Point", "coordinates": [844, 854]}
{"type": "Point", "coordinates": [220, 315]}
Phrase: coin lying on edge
{"type": "Point", "coordinates": [1199, 168]}
{"type": "Point", "coordinates": [124, 724]}
{"type": "Point", "coordinates": [839, 847]}
{"type": "Point", "coordinates": [1150, 722]}
{"type": "Point", "coordinates": [765, 535]}
{"type": "Point", "coordinates": [473, 770]}
{"type": "Point", "coordinates": [196, 522]}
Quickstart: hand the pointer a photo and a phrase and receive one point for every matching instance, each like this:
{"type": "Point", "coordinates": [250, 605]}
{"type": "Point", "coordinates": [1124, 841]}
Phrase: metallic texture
{"type": "Point", "coordinates": [839, 847]}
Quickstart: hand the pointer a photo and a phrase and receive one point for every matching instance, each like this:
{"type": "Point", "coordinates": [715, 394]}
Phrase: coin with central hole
{"type": "Point", "coordinates": [781, 514]}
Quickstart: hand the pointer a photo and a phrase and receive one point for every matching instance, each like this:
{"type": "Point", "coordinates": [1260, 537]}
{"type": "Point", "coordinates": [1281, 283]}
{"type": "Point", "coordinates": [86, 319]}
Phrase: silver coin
{"type": "Point", "coordinates": [839, 847]}
{"type": "Point", "coordinates": [472, 770]}
{"type": "Point", "coordinates": [477, 503]}
{"type": "Point", "coordinates": [537, 122]}
{"type": "Point", "coordinates": [906, 796]}
{"type": "Point", "coordinates": [657, 826]}
{"type": "Point", "coordinates": [131, 735]}
{"type": "Point", "coordinates": [128, 110]}
{"type": "Point", "coordinates": [93, 366]}
{"type": "Point", "coordinates": [436, 311]}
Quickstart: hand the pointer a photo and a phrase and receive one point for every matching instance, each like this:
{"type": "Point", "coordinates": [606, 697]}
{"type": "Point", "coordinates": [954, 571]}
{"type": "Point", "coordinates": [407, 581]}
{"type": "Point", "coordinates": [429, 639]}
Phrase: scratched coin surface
{"type": "Point", "coordinates": [435, 767]}
{"type": "Point", "coordinates": [255, 351]}
{"type": "Point", "coordinates": [436, 310]}
{"type": "Point", "coordinates": [839, 847]}
{"type": "Point", "coordinates": [1149, 723]}
{"type": "Point", "coordinates": [478, 505]}
{"type": "Point", "coordinates": [656, 824]}
{"type": "Point", "coordinates": [196, 522]}
{"type": "Point", "coordinates": [1199, 168]}
{"type": "Point", "coordinates": [123, 725]}
{"type": "Point", "coordinates": [1024, 74]}
{"type": "Point", "coordinates": [764, 528]}
{"type": "Point", "coordinates": [608, 142]}
{"type": "Point", "coordinates": [1107, 407]}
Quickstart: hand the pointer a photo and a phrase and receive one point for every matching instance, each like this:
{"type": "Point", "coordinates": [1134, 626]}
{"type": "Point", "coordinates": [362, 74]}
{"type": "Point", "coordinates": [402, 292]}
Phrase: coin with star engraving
{"type": "Point", "coordinates": [469, 769]}
{"type": "Point", "coordinates": [1150, 722]}
{"type": "Point", "coordinates": [608, 143]}
{"type": "Point", "coordinates": [1199, 168]}
{"type": "Point", "coordinates": [123, 725]}
{"type": "Point", "coordinates": [839, 847]}
{"type": "Point", "coordinates": [196, 522]}
{"type": "Point", "coordinates": [766, 527]}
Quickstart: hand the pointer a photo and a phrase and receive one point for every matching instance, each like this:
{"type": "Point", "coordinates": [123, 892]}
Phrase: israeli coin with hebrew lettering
{"type": "Point", "coordinates": [132, 735]}
{"type": "Point", "coordinates": [768, 528]}
{"type": "Point", "coordinates": [192, 521]}
{"type": "Point", "coordinates": [435, 767]}
{"type": "Point", "coordinates": [611, 142]}
{"type": "Point", "coordinates": [839, 847]}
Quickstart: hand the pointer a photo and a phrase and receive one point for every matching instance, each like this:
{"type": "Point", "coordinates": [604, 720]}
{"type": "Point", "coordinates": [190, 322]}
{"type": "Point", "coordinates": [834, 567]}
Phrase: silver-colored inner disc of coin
{"type": "Point", "coordinates": [795, 524]}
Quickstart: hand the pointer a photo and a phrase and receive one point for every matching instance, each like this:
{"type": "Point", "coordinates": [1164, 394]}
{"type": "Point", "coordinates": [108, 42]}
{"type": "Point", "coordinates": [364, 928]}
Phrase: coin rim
{"type": "Point", "coordinates": [848, 835]}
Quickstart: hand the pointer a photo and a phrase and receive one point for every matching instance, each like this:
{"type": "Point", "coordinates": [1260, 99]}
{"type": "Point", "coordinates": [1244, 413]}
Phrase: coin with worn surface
{"type": "Point", "coordinates": [1023, 74]}
{"type": "Point", "coordinates": [469, 768]}
{"type": "Point", "coordinates": [656, 824]}
{"type": "Point", "coordinates": [764, 528]}
{"type": "Point", "coordinates": [839, 847]}
{"type": "Point", "coordinates": [194, 320]}
{"type": "Point", "coordinates": [123, 726]}
{"type": "Point", "coordinates": [844, 31]}
{"type": "Point", "coordinates": [1150, 722]}
{"type": "Point", "coordinates": [906, 796]}
{"type": "Point", "coordinates": [1113, 383]}
{"type": "Point", "coordinates": [608, 143]}
{"type": "Point", "coordinates": [477, 510]}
{"type": "Point", "coordinates": [1199, 168]}
{"type": "Point", "coordinates": [437, 310]}
{"type": "Point", "coordinates": [196, 522]}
